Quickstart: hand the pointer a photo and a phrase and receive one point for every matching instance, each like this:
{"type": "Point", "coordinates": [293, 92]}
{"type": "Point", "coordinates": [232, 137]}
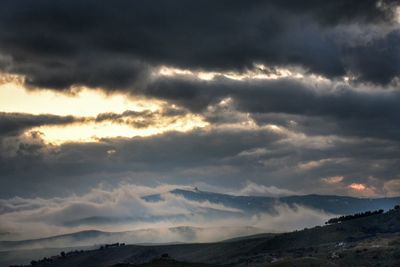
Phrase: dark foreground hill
{"type": "Point", "coordinates": [366, 241]}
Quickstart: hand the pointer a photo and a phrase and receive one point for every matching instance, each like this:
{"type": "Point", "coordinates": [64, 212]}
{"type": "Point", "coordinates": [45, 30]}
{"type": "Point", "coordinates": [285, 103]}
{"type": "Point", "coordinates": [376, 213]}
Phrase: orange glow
{"type": "Point", "coordinates": [358, 187]}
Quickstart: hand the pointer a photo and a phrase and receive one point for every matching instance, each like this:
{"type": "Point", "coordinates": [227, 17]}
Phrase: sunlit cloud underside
{"type": "Point", "coordinates": [86, 104]}
{"type": "Point", "coordinates": [92, 131]}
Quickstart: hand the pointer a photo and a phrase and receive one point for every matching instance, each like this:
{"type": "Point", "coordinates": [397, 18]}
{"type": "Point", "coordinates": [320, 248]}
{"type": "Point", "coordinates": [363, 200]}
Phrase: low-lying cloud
{"type": "Point", "coordinates": [171, 218]}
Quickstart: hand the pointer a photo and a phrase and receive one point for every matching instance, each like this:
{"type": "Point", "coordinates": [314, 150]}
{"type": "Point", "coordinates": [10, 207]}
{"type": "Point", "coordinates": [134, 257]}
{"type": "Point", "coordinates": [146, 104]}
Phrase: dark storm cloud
{"type": "Point", "coordinates": [285, 95]}
{"type": "Point", "coordinates": [20, 149]}
{"type": "Point", "coordinates": [218, 157]}
{"type": "Point", "coordinates": [115, 44]}
{"type": "Point", "coordinates": [333, 12]}
{"type": "Point", "coordinates": [159, 155]}
{"type": "Point", "coordinates": [13, 124]}
{"type": "Point", "coordinates": [379, 61]}
{"type": "Point", "coordinates": [373, 127]}
{"type": "Point", "coordinates": [138, 119]}
{"type": "Point", "coordinates": [141, 119]}
{"type": "Point", "coordinates": [340, 108]}
{"type": "Point", "coordinates": [267, 157]}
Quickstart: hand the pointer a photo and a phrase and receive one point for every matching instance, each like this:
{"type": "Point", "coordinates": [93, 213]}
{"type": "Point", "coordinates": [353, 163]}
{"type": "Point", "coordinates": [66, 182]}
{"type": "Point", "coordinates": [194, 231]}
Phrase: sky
{"type": "Point", "coordinates": [258, 97]}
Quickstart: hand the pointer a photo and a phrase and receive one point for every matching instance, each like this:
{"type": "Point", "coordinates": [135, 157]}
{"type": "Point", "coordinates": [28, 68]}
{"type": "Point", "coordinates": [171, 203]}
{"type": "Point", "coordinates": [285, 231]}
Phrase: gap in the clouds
{"type": "Point", "coordinates": [84, 102]}
{"type": "Point", "coordinates": [129, 116]}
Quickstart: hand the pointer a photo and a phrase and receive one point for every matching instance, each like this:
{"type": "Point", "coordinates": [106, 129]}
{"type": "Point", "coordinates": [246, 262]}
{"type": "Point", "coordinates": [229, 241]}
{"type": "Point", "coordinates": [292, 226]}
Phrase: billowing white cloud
{"type": "Point", "coordinates": [253, 189]}
{"type": "Point", "coordinates": [124, 209]}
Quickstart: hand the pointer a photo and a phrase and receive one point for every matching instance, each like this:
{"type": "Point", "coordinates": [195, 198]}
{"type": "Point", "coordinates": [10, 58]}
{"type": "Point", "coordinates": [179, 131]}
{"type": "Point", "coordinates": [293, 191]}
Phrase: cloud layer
{"type": "Point", "coordinates": [277, 94]}
{"type": "Point", "coordinates": [124, 209]}
{"type": "Point", "coordinates": [115, 45]}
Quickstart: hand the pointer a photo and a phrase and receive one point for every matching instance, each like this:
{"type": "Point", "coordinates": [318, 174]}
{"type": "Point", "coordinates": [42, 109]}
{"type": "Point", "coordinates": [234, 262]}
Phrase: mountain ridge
{"type": "Point", "coordinates": [316, 201]}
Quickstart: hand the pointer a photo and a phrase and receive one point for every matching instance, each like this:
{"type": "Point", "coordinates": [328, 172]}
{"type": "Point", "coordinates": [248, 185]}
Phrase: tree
{"type": "Point", "coordinates": [354, 216]}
